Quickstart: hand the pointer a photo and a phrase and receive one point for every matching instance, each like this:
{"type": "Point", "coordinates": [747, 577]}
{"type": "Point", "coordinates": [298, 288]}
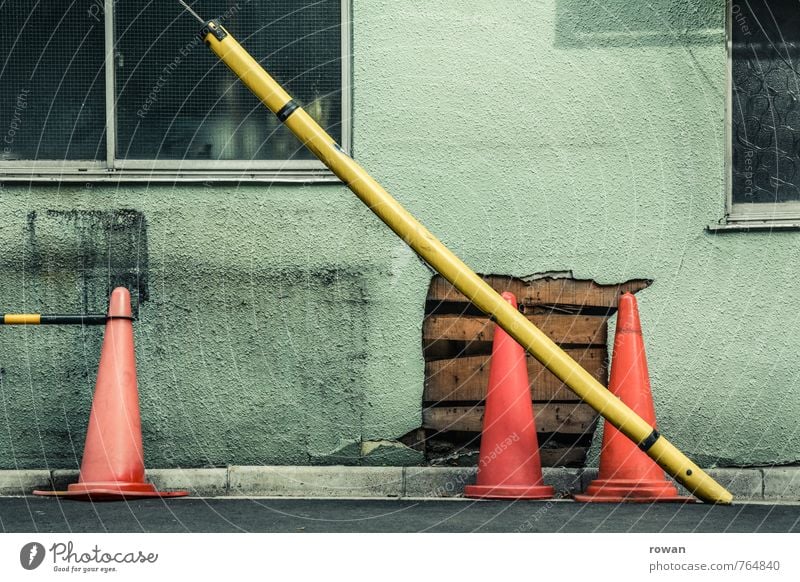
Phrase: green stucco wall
{"type": "Point", "coordinates": [281, 324]}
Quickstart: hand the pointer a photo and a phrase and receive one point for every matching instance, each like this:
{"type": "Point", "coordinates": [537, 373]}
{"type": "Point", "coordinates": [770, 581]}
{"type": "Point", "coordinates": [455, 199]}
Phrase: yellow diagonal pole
{"type": "Point", "coordinates": [454, 270]}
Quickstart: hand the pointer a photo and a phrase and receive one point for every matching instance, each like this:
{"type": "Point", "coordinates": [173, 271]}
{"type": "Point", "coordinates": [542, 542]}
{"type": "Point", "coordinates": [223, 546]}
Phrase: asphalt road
{"type": "Point", "coordinates": [33, 514]}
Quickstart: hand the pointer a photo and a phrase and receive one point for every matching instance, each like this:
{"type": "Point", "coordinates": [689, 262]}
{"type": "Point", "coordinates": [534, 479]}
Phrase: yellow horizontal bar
{"type": "Point", "coordinates": [22, 319]}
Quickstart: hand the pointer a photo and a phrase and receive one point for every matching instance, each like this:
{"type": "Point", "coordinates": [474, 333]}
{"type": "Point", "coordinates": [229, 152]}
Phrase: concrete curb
{"type": "Point", "coordinates": [24, 481]}
{"type": "Point", "coordinates": [332, 481]}
{"type": "Point", "coordinates": [747, 484]}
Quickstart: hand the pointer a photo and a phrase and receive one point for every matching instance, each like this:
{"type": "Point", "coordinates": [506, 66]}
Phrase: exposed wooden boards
{"type": "Point", "coordinates": [457, 327]}
{"type": "Point", "coordinates": [563, 457]}
{"type": "Point", "coordinates": [457, 342]}
{"type": "Point", "coordinates": [466, 379]}
{"type": "Point", "coordinates": [545, 292]}
{"type": "Point", "coordinates": [442, 290]}
{"type": "Point", "coordinates": [443, 349]}
{"type": "Point", "coordinates": [562, 329]}
{"type": "Point", "coordinates": [578, 293]}
{"type": "Point", "coordinates": [564, 418]}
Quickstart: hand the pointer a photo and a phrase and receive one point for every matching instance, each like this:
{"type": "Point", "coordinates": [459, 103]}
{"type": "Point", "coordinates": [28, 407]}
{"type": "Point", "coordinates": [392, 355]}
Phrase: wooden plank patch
{"type": "Point", "coordinates": [563, 457]}
{"type": "Point", "coordinates": [565, 418]}
{"type": "Point", "coordinates": [451, 336]}
{"type": "Point", "coordinates": [467, 379]}
{"type": "Point", "coordinates": [545, 292]}
{"type": "Point", "coordinates": [442, 290]}
{"type": "Point", "coordinates": [457, 342]}
{"type": "Point", "coordinates": [561, 292]}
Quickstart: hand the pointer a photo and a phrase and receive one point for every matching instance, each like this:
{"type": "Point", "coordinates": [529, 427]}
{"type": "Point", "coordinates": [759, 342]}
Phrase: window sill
{"type": "Point", "coordinates": [753, 226]}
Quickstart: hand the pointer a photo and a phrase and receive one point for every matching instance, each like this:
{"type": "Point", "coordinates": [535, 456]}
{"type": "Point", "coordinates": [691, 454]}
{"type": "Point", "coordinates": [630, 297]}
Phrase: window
{"type": "Point", "coordinates": [764, 108]}
{"type": "Point", "coordinates": [95, 89]}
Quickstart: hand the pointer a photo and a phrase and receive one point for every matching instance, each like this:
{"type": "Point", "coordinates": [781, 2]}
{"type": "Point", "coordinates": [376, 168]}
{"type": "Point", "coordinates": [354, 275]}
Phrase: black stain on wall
{"type": "Point", "coordinates": [88, 251]}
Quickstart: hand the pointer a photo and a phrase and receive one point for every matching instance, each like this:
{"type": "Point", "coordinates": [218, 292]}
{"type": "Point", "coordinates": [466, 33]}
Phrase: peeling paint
{"type": "Point", "coordinates": [391, 453]}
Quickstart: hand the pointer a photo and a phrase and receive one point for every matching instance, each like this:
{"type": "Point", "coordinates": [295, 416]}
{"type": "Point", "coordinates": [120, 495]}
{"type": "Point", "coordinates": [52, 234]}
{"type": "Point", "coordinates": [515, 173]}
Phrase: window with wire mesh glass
{"type": "Point", "coordinates": [765, 110]}
{"type": "Point", "coordinates": [168, 105]}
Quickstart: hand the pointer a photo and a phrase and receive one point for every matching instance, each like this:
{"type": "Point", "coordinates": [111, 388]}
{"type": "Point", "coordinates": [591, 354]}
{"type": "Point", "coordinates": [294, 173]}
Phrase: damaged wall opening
{"type": "Point", "coordinates": [457, 345]}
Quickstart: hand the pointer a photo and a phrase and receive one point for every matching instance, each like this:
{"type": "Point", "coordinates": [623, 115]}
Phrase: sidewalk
{"type": "Point", "coordinates": [779, 484]}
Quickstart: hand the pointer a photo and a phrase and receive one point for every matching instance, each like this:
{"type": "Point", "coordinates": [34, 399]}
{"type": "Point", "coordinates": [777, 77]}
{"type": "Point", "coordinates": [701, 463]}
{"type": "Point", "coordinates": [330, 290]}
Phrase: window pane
{"type": "Point", "coordinates": [766, 101]}
{"type": "Point", "coordinates": [52, 95]}
{"type": "Point", "coordinates": [176, 101]}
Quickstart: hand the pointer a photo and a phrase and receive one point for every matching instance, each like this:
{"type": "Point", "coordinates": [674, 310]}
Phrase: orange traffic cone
{"type": "Point", "coordinates": [510, 467]}
{"type": "Point", "coordinates": [113, 458]}
{"type": "Point", "coordinates": [626, 472]}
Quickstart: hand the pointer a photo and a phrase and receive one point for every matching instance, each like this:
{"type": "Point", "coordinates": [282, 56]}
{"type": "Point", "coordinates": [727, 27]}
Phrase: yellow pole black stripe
{"type": "Point", "coordinates": [648, 443]}
{"type": "Point", "coordinates": [285, 111]}
{"type": "Point", "coordinates": [438, 256]}
{"type": "Point", "coordinates": [39, 319]}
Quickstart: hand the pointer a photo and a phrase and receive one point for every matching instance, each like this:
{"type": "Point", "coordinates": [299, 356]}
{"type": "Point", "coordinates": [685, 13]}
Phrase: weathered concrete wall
{"type": "Point", "coordinates": [282, 324]}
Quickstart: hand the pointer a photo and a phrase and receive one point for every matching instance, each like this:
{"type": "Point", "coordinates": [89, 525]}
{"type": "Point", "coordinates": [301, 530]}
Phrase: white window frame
{"type": "Point", "coordinates": [115, 170]}
{"type": "Point", "coordinates": [741, 215]}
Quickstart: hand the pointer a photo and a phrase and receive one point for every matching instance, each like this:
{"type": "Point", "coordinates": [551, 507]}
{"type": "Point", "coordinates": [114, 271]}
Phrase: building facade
{"type": "Point", "coordinates": [279, 322]}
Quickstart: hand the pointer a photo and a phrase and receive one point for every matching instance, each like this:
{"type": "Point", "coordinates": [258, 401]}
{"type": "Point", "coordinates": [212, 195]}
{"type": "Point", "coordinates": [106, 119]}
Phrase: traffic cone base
{"type": "Point", "coordinates": [110, 491]}
{"type": "Point", "coordinates": [113, 456]}
{"type": "Point", "coordinates": [631, 490]}
{"type": "Point", "coordinates": [509, 492]}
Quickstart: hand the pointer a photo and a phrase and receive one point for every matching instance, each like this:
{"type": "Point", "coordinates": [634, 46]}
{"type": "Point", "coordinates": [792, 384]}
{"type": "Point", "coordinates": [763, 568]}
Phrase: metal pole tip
{"type": "Point", "coordinates": [192, 12]}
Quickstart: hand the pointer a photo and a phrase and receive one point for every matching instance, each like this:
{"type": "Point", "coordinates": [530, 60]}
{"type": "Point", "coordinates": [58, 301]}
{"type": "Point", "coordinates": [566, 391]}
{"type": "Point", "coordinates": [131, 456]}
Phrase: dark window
{"type": "Point", "coordinates": [175, 107]}
{"type": "Point", "coordinates": [176, 101]}
{"type": "Point", "coordinates": [765, 102]}
{"type": "Point", "coordinates": [52, 81]}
